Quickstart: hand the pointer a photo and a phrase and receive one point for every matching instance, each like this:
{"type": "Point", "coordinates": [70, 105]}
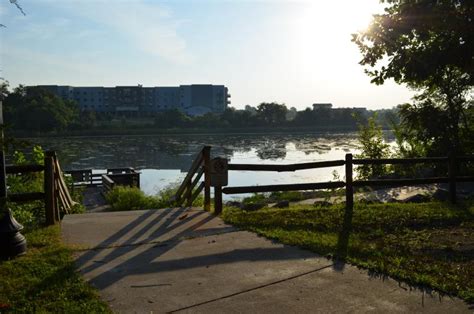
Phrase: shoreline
{"type": "Point", "coordinates": [187, 132]}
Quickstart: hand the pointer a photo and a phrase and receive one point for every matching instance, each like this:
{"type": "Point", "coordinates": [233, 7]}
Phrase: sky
{"type": "Point", "coordinates": [292, 52]}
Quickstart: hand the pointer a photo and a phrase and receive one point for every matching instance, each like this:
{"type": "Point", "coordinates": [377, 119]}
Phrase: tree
{"type": "Point", "coordinates": [372, 145]}
{"type": "Point", "coordinates": [18, 6]}
{"type": "Point", "coordinates": [272, 113]}
{"type": "Point", "coordinates": [428, 45]}
{"type": "Point", "coordinates": [36, 109]}
{"type": "Point", "coordinates": [171, 119]}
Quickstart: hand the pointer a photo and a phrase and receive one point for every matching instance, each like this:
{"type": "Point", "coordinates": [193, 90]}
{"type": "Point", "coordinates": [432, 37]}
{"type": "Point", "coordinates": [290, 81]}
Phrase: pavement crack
{"type": "Point", "coordinates": [252, 289]}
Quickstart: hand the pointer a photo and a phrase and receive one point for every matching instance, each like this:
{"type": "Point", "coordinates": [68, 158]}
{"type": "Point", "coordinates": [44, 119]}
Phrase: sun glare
{"type": "Point", "coordinates": [337, 17]}
{"type": "Point", "coordinates": [322, 30]}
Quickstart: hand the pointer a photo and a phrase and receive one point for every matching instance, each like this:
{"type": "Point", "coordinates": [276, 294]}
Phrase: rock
{"type": "Point", "coordinates": [441, 195]}
{"type": "Point", "coordinates": [252, 206]}
{"type": "Point", "coordinates": [369, 201]}
{"type": "Point", "coordinates": [281, 204]}
{"type": "Point", "coordinates": [417, 198]}
{"type": "Point", "coordinates": [233, 204]}
{"type": "Point", "coordinates": [322, 203]}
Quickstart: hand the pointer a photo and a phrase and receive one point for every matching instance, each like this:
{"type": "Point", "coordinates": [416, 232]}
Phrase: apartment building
{"type": "Point", "coordinates": [196, 99]}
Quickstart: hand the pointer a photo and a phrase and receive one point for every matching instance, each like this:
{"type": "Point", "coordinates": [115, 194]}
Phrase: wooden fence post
{"type": "Point", "coordinates": [349, 186]}
{"type": "Point", "coordinates": [206, 153]}
{"type": "Point", "coordinates": [49, 201]}
{"type": "Point", "coordinates": [452, 177]}
{"type": "Point", "coordinates": [217, 200]}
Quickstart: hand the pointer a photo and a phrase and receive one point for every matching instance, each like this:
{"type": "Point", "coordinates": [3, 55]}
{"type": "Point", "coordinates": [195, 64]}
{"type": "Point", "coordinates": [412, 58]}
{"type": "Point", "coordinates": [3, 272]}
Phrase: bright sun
{"type": "Point", "coordinates": [336, 18]}
{"type": "Point", "coordinates": [323, 28]}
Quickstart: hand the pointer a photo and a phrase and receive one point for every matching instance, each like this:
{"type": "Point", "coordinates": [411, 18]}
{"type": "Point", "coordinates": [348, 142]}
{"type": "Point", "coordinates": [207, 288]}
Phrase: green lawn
{"type": "Point", "coordinates": [429, 244]}
{"type": "Point", "coordinates": [45, 279]}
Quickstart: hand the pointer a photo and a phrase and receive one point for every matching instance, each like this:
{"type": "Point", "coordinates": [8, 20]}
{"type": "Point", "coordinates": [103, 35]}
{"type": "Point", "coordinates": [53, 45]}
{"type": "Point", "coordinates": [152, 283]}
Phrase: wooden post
{"type": "Point", "coordinates": [349, 186]}
{"type": "Point", "coordinates": [217, 200]}
{"type": "Point", "coordinates": [344, 235]}
{"type": "Point", "coordinates": [49, 201]}
{"type": "Point", "coordinates": [452, 177]}
{"type": "Point", "coordinates": [206, 153]}
{"type": "Point", "coordinates": [188, 193]}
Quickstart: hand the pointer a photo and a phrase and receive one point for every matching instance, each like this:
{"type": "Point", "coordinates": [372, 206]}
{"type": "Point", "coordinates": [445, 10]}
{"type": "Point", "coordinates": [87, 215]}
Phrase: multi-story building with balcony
{"type": "Point", "coordinates": [191, 99]}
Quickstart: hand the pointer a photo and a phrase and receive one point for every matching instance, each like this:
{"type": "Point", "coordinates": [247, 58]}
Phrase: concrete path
{"type": "Point", "coordinates": [186, 260]}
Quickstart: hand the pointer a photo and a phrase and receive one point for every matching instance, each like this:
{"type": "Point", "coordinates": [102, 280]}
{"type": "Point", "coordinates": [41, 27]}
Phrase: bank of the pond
{"type": "Point", "coordinates": [183, 131]}
{"type": "Point", "coordinates": [428, 244]}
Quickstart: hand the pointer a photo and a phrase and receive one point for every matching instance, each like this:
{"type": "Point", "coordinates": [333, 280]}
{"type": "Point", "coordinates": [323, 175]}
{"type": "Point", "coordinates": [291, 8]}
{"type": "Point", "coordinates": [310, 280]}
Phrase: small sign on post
{"type": "Point", "coordinates": [218, 172]}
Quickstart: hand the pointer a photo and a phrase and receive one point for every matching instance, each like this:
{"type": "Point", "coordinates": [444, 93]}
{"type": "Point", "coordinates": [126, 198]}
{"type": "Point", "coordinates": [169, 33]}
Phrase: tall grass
{"type": "Point", "coordinates": [122, 198]}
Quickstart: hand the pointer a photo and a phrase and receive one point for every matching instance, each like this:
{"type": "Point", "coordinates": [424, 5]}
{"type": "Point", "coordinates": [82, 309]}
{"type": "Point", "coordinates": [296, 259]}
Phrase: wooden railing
{"type": "Point", "coordinates": [55, 194]}
{"type": "Point", "coordinates": [189, 190]}
{"type": "Point", "coordinates": [349, 183]}
{"type": "Point", "coordinates": [108, 180]}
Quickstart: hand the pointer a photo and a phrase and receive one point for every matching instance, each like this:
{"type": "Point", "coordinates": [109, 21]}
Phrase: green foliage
{"type": "Point", "coordinates": [127, 198]}
{"type": "Point", "coordinates": [257, 198]}
{"type": "Point", "coordinates": [272, 113]}
{"type": "Point", "coordinates": [425, 244]}
{"type": "Point", "coordinates": [37, 110]}
{"type": "Point", "coordinates": [130, 198]}
{"type": "Point", "coordinates": [30, 214]}
{"type": "Point", "coordinates": [438, 120]}
{"type": "Point", "coordinates": [372, 145]}
{"type": "Point", "coordinates": [420, 40]}
{"type": "Point", "coordinates": [291, 196]}
{"type": "Point", "coordinates": [171, 119]}
{"type": "Point", "coordinates": [428, 46]}
{"type": "Point", "coordinates": [45, 280]}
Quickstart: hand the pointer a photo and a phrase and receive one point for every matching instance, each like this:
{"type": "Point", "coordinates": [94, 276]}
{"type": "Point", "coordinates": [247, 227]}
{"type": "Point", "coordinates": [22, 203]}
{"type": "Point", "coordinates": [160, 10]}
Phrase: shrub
{"type": "Point", "coordinates": [372, 146]}
{"type": "Point", "coordinates": [129, 198]}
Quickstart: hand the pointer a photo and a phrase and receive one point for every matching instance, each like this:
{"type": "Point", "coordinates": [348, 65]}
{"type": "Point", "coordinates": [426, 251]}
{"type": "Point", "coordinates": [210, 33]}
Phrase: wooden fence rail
{"type": "Point", "coordinates": [189, 189]}
{"type": "Point", "coordinates": [349, 183]}
{"type": "Point", "coordinates": [201, 164]}
{"type": "Point", "coordinates": [55, 194]}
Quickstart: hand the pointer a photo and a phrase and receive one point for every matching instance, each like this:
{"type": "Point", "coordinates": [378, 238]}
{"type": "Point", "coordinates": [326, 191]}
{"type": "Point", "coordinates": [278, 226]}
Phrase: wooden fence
{"type": "Point", "coordinates": [189, 190]}
{"type": "Point", "coordinates": [108, 179]}
{"type": "Point", "coordinates": [55, 193]}
{"type": "Point", "coordinates": [202, 162]}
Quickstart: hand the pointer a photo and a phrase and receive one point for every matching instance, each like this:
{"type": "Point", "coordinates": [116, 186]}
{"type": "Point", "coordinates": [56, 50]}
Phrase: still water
{"type": "Point", "coordinates": [164, 159]}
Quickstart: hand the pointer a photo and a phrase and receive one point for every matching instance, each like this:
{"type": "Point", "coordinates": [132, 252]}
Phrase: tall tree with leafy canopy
{"type": "Point", "coordinates": [429, 46]}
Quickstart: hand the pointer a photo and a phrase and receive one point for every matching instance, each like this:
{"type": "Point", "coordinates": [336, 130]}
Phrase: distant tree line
{"type": "Point", "coordinates": [38, 110]}
{"type": "Point", "coordinates": [273, 115]}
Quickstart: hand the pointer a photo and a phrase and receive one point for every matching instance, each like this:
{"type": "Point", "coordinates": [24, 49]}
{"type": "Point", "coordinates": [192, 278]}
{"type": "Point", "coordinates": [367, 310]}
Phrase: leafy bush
{"type": "Point", "coordinates": [128, 198]}
{"type": "Point", "coordinates": [256, 198]}
{"type": "Point", "coordinates": [372, 145]}
{"type": "Point", "coordinates": [131, 198]}
{"type": "Point", "coordinates": [30, 214]}
{"type": "Point", "coordinates": [292, 196]}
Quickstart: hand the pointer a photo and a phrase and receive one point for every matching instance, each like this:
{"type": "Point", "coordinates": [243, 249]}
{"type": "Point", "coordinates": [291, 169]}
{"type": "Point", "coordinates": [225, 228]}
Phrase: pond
{"type": "Point", "coordinates": [164, 159]}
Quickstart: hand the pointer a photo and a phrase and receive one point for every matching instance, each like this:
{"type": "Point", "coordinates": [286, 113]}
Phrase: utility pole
{"type": "Point", "coordinates": [12, 242]}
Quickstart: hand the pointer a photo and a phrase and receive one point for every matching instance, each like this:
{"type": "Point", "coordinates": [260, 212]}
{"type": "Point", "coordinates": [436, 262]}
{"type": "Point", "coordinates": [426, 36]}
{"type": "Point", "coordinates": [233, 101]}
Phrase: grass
{"type": "Point", "coordinates": [122, 198]}
{"type": "Point", "coordinates": [45, 279]}
{"type": "Point", "coordinates": [429, 244]}
{"type": "Point", "coordinates": [291, 196]}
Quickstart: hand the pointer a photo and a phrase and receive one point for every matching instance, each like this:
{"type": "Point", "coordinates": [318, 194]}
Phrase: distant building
{"type": "Point", "coordinates": [191, 99]}
{"type": "Point", "coordinates": [322, 106]}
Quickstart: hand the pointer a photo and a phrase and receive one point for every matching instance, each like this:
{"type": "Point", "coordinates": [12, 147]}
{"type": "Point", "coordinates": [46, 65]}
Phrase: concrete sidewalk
{"type": "Point", "coordinates": [186, 260]}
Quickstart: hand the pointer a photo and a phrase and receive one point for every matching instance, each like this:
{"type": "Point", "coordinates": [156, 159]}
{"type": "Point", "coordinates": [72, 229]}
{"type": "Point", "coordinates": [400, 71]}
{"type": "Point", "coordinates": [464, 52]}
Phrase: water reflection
{"type": "Point", "coordinates": [164, 159]}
